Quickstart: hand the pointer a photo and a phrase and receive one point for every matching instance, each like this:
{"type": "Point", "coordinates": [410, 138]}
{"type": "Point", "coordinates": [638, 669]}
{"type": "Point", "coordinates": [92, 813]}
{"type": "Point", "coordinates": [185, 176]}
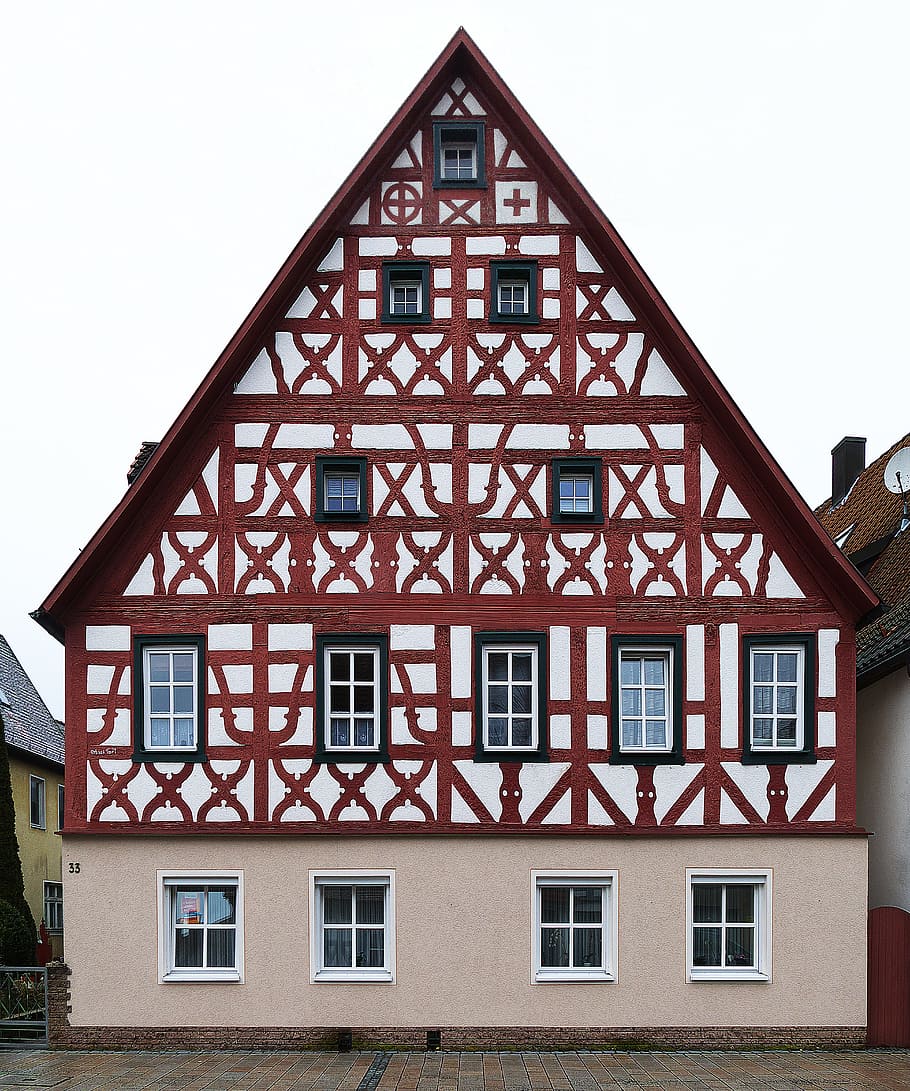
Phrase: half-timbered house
{"type": "Point", "coordinates": [460, 667]}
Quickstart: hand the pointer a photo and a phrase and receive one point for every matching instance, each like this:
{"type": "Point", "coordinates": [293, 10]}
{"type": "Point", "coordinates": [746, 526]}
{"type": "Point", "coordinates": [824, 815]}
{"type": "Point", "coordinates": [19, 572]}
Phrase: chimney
{"type": "Point", "coordinates": [848, 460]}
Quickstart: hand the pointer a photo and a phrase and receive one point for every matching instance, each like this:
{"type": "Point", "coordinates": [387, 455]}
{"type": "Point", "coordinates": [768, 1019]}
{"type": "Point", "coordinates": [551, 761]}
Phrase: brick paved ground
{"type": "Point", "coordinates": [888, 1070]}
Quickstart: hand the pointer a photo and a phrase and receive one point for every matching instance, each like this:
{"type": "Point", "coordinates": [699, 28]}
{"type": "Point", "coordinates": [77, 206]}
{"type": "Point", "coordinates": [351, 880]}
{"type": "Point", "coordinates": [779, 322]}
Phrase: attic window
{"type": "Point", "coordinates": [458, 155]}
{"type": "Point", "coordinates": [4, 700]}
{"type": "Point", "coordinates": [405, 292]}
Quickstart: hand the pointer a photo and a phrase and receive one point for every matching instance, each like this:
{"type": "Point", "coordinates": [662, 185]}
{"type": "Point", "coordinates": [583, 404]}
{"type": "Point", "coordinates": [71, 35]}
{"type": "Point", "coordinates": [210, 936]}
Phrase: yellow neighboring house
{"type": "Point", "coordinates": [34, 742]}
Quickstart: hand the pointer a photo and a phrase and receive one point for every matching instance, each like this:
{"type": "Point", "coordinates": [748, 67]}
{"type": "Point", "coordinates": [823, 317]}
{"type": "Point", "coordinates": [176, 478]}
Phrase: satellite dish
{"type": "Point", "coordinates": [897, 472]}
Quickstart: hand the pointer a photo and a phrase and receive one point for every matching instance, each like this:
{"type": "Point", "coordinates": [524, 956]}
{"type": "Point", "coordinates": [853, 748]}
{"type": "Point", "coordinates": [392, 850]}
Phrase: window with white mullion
{"type": "Point", "coordinates": [459, 161]}
{"type": "Point", "coordinates": [513, 297]}
{"type": "Point", "coordinates": [777, 697]}
{"type": "Point", "coordinates": [572, 927]}
{"type": "Point", "coordinates": [342, 492]}
{"type": "Point", "coordinates": [645, 689]}
{"type": "Point", "coordinates": [406, 297]}
{"type": "Point", "coordinates": [724, 926]}
{"type": "Point", "coordinates": [352, 697]}
{"type": "Point", "coordinates": [353, 927]}
{"type": "Point", "coordinates": [204, 927]}
{"type": "Point", "coordinates": [576, 493]}
{"type": "Point", "coordinates": [510, 697]}
{"type": "Point", "coordinates": [169, 679]}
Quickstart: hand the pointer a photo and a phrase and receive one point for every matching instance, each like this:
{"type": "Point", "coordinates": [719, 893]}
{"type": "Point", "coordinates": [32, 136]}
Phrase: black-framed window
{"type": "Point", "coordinates": [341, 490]}
{"type": "Point", "coordinates": [510, 691]}
{"type": "Point", "coordinates": [459, 159]}
{"type": "Point", "coordinates": [36, 803]}
{"type": "Point", "coordinates": [646, 700]}
{"type": "Point", "coordinates": [406, 292]}
{"type": "Point", "coordinates": [352, 697]}
{"type": "Point", "coordinates": [779, 698]}
{"type": "Point", "coordinates": [577, 490]}
{"type": "Point", "coordinates": [169, 698]}
{"type": "Point", "coordinates": [513, 292]}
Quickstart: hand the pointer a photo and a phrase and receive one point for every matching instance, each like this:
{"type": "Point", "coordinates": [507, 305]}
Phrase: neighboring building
{"type": "Point", "coordinates": [460, 665]}
{"type": "Point", "coordinates": [34, 743]}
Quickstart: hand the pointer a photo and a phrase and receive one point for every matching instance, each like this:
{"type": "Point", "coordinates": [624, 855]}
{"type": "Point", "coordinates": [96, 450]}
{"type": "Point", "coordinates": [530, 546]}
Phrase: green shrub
{"type": "Point", "coordinates": [17, 946]}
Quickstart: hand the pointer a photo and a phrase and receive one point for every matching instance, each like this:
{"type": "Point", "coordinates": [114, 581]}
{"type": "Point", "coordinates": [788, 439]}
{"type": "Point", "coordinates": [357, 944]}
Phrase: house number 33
{"type": "Point", "coordinates": [74, 869]}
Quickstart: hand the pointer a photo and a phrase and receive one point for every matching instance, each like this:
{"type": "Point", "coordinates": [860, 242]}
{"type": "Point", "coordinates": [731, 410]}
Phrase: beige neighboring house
{"type": "Point", "coordinates": [34, 742]}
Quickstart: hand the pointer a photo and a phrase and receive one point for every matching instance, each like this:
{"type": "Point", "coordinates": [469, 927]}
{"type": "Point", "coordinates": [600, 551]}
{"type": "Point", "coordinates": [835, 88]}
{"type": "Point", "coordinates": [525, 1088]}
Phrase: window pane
{"type": "Point", "coordinates": [654, 672]}
{"type": "Point", "coordinates": [554, 904]}
{"type": "Point", "coordinates": [339, 667]}
{"type": "Point", "coordinates": [786, 700]}
{"type": "Point", "coordinates": [588, 905]}
{"type": "Point", "coordinates": [370, 904]}
{"type": "Point", "coordinates": [159, 699]}
{"type": "Point", "coordinates": [706, 902]}
{"type": "Point", "coordinates": [370, 947]}
{"type": "Point", "coordinates": [762, 731]}
{"type": "Point", "coordinates": [363, 667]}
{"type": "Point", "coordinates": [221, 902]}
{"type": "Point", "coordinates": [631, 702]}
{"type": "Point", "coordinates": [496, 730]}
{"type": "Point", "coordinates": [521, 666]}
{"type": "Point", "coordinates": [363, 698]}
{"type": "Point", "coordinates": [521, 699]}
{"type": "Point", "coordinates": [786, 732]}
{"type": "Point", "coordinates": [363, 732]}
{"type": "Point", "coordinates": [762, 700]}
{"type": "Point", "coordinates": [554, 947]}
{"type": "Point", "coordinates": [521, 732]}
{"type": "Point", "coordinates": [498, 698]}
{"type": "Point", "coordinates": [340, 698]}
{"type": "Point", "coordinates": [183, 667]}
{"type": "Point", "coordinates": [161, 733]}
{"type": "Point", "coordinates": [183, 700]}
{"type": "Point", "coordinates": [221, 946]}
{"type": "Point", "coordinates": [336, 904]}
{"type": "Point", "coordinates": [630, 672]}
{"type": "Point", "coordinates": [498, 666]}
{"type": "Point", "coordinates": [654, 702]}
{"type": "Point", "coordinates": [159, 667]}
{"type": "Point", "coordinates": [631, 732]}
{"type": "Point", "coordinates": [740, 904]}
{"type": "Point", "coordinates": [740, 947]}
{"type": "Point", "coordinates": [183, 733]}
{"type": "Point", "coordinates": [763, 667]}
{"type": "Point", "coordinates": [341, 731]}
{"type": "Point", "coordinates": [587, 947]}
{"type": "Point", "coordinates": [188, 947]}
{"type": "Point", "coordinates": [337, 947]}
{"type": "Point", "coordinates": [656, 733]}
{"type": "Point", "coordinates": [706, 947]}
{"type": "Point", "coordinates": [786, 666]}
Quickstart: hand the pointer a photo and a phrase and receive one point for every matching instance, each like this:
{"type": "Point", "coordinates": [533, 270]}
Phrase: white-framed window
{"type": "Point", "coordinates": [170, 696]}
{"type": "Point", "coordinates": [513, 296]}
{"type": "Point", "coordinates": [352, 926]}
{"type": "Point", "coordinates": [406, 297]}
{"type": "Point", "coordinates": [576, 494]}
{"type": "Point", "coordinates": [728, 925]}
{"type": "Point", "coordinates": [352, 697]}
{"type": "Point", "coordinates": [511, 716]}
{"type": "Point", "coordinates": [200, 926]}
{"type": "Point", "coordinates": [645, 698]}
{"type": "Point", "coordinates": [342, 492]}
{"type": "Point", "coordinates": [61, 805]}
{"type": "Point", "coordinates": [777, 684]}
{"type": "Point", "coordinates": [575, 926]}
{"type": "Point", "coordinates": [53, 906]}
{"type": "Point", "coordinates": [36, 803]}
{"type": "Point", "coordinates": [458, 161]}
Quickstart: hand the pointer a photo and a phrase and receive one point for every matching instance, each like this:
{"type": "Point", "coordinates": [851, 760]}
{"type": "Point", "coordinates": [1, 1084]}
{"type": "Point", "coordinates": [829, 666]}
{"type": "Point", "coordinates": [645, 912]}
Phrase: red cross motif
{"type": "Point", "coordinates": [516, 202]}
{"type": "Point", "coordinates": [401, 202]}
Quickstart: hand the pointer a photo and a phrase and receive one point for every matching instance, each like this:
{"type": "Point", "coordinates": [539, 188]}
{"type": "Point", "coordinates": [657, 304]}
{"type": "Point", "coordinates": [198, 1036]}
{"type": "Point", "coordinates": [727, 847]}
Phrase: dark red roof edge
{"type": "Point", "coordinates": [461, 53]}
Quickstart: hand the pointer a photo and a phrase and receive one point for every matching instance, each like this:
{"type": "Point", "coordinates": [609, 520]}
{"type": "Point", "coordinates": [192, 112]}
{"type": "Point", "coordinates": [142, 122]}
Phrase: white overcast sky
{"type": "Point", "coordinates": [160, 160]}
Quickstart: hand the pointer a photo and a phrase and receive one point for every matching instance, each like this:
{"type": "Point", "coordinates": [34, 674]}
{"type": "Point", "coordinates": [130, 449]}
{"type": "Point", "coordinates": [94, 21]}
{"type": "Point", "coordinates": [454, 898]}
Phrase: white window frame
{"type": "Point", "coordinates": [509, 747]}
{"type": "Point", "coordinates": [512, 283]}
{"type": "Point", "coordinates": [167, 881]}
{"type": "Point", "coordinates": [574, 477]}
{"type": "Point", "coordinates": [761, 880]}
{"type": "Point", "coordinates": [458, 146]}
{"type": "Point", "coordinates": [318, 881]}
{"type": "Point", "coordinates": [55, 929]}
{"type": "Point", "coordinates": [762, 746]}
{"type": "Point", "coordinates": [405, 282]}
{"type": "Point", "coordinates": [41, 824]}
{"type": "Point", "coordinates": [341, 475]}
{"type": "Point", "coordinates": [608, 881]}
{"type": "Point", "coordinates": [148, 715]}
{"type": "Point", "coordinates": [642, 652]}
{"type": "Point", "coordinates": [355, 649]}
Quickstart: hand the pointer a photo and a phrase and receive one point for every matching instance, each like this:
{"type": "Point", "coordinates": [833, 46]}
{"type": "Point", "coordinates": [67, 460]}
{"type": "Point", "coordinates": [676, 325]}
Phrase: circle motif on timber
{"type": "Point", "coordinates": [401, 202]}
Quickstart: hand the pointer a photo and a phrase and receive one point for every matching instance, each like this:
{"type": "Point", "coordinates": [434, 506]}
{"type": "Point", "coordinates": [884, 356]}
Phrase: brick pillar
{"type": "Point", "coordinates": [58, 1004]}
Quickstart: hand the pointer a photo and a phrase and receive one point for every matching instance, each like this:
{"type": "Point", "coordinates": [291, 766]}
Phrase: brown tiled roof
{"type": "Point", "coordinates": [868, 522]}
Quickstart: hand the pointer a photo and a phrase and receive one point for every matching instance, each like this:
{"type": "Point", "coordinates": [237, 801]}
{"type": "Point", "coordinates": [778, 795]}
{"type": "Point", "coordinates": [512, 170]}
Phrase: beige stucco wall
{"type": "Point", "coordinates": [464, 932]}
{"type": "Point", "coordinates": [883, 786]}
{"type": "Point", "coordinates": [39, 850]}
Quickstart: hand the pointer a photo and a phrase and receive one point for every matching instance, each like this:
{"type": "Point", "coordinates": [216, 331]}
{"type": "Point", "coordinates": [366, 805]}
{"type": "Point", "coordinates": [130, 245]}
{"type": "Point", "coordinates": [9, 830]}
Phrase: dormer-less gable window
{"type": "Point", "coordinates": [405, 292]}
{"type": "Point", "coordinates": [458, 155]}
{"type": "Point", "coordinates": [513, 292]}
{"type": "Point", "coordinates": [169, 698]}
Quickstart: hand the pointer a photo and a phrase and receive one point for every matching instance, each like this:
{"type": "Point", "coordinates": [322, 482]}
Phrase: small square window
{"type": "Point", "coordinates": [169, 698]}
{"type": "Point", "coordinates": [577, 490]}
{"type": "Point", "coordinates": [36, 802]}
{"type": "Point", "coordinates": [53, 906]}
{"type": "Point", "coordinates": [511, 696]}
{"type": "Point", "coordinates": [729, 929]}
{"type": "Point", "coordinates": [405, 292]}
{"type": "Point", "coordinates": [513, 296]}
{"type": "Point", "coordinates": [200, 926]}
{"type": "Point", "coordinates": [341, 490]}
{"type": "Point", "coordinates": [575, 926]}
{"type": "Point", "coordinates": [352, 698]}
{"type": "Point", "coordinates": [458, 155]}
{"type": "Point", "coordinates": [352, 934]}
{"type": "Point", "coordinates": [647, 700]}
{"type": "Point", "coordinates": [778, 707]}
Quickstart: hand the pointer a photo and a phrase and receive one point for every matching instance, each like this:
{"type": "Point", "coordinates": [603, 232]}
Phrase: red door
{"type": "Point", "coordinates": [889, 977]}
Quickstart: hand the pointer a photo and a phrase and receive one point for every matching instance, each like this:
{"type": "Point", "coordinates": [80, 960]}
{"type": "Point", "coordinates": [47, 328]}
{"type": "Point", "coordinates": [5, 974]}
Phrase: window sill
{"type": "Point", "coordinates": [169, 757]}
{"type": "Point", "coordinates": [721, 974]}
{"type": "Point", "coordinates": [353, 977]}
{"type": "Point", "coordinates": [183, 977]}
{"type": "Point", "coordinates": [529, 757]}
{"type": "Point", "coordinates": [351, 757]}
{"type": "Point", "coordinates": [514, 320]}
{"type": "Point", "coordinates": [644, 757]}
{"type": "Point", "coordinates": [573, 977]}
{"type": "Point", "coordinates": [779, 757]}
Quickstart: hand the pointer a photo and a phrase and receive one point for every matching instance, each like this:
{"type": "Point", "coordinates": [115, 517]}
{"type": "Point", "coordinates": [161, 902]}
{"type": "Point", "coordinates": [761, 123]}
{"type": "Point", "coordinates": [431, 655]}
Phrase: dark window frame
{"type": "Point", "coordinates": [323, 752]}
{"type": "Point", "coordinates": [538, 753]}
{"type": "Point", "coordinates": [514, 270]}
{"type": "Point", "coordinates": [329, 464]}
{"type": "Point", "coordinates": [577, 466]}
{"type": "Point", "coordinates": [141, 752]}
{"type": "Point", "coordinates": [767, 756]}
{"type": "Point", "coordinates": [40, 800]}
{"type": "Point", "coordinates": [449, 132]}
{"type": "Point", "coordinates": [393, 271]}
{"type": "Point", "coordinates": [675, 755]}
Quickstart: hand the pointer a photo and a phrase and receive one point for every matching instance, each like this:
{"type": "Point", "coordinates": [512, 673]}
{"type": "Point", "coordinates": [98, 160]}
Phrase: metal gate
{"type": "Point", "coordinates": [889, 977]}
{"type": "Point", "coordinates": [23, 1007]}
